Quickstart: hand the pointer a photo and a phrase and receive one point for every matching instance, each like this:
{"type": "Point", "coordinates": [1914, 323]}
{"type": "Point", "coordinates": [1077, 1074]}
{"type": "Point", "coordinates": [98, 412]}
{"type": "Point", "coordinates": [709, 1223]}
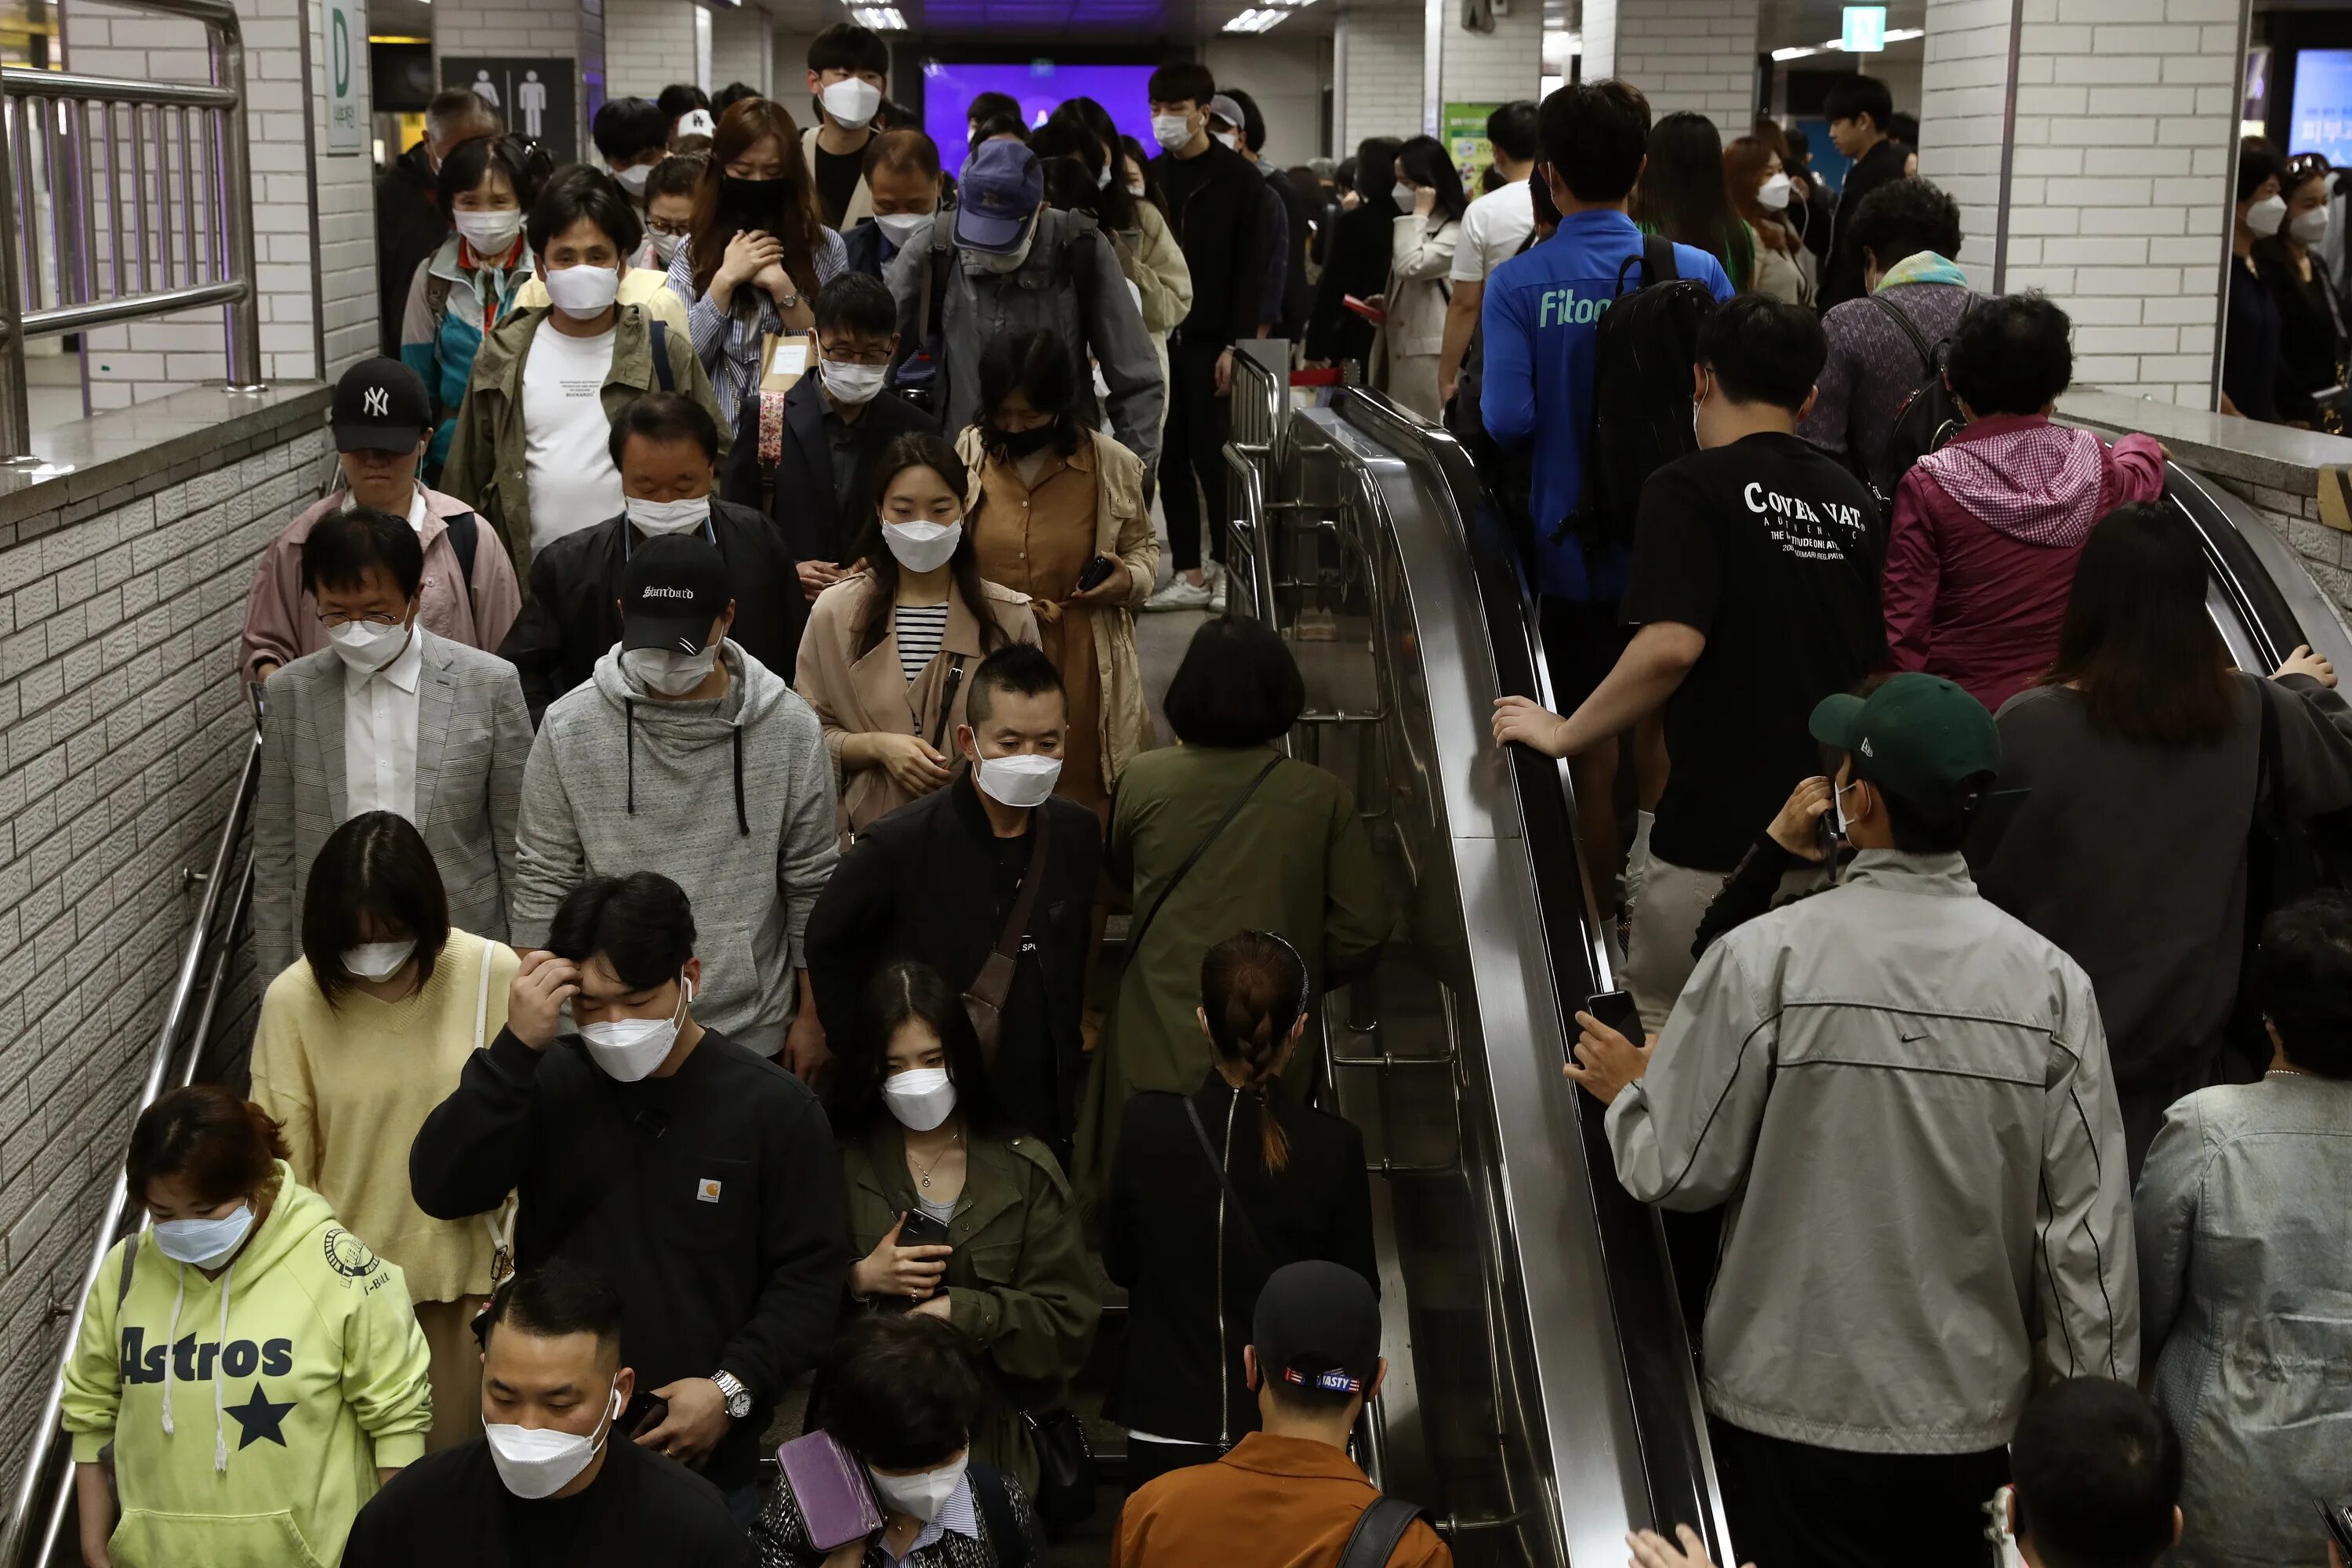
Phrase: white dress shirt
{"type": "Point", "coordinates": [380, 733]}
{"type": "Point", "coordinates": [416, 512]}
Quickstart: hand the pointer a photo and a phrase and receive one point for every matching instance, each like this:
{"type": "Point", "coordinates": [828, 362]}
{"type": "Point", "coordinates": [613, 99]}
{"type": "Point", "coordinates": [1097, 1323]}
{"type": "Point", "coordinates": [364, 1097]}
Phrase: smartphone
{"type": "Point", "coordinates": [656, 1412]}
{"type": "Point", "coordinates": [1616, 1009]}
{"type": "Point", "coordinates": [922, 1230]}
{"type": "Point", "coordinates": [2338, 1516]}
{"type": "Point", "coordinates": [1097, 572]}
{"type": "Point", "coordinates": [1370, 312]}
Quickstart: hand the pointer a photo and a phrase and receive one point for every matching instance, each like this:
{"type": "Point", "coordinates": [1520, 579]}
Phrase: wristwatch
{"type": "Point", "coordinates": [738, 1398]}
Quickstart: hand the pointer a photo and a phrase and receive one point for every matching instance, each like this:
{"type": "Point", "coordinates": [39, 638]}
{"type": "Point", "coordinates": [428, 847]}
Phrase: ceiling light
{"type": "Point", "coordinates": [1795, 52]}
{"type": "Point", "coordinates": [1257, 20]}
{"type": "Point", "coordinates": [880, 18]}
{"type": "Point", "coordinates": [1799, 51]}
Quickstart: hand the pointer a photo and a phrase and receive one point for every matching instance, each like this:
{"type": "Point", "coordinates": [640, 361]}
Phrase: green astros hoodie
{"type": "Point", "coordinates": [249, 1414]}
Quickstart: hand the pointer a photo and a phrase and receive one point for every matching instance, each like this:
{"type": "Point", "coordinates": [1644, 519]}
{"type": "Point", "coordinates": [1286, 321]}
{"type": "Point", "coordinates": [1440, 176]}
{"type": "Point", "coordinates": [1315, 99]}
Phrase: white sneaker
{"type": "Point", "coordinates": [1181, 593]}
{"type": "Point", "coordinates": [1217, 592]}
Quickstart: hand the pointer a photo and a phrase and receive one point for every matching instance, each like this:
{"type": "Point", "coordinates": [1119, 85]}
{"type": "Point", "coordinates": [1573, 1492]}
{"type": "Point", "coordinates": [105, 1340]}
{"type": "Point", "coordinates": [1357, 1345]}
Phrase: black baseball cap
{"type": "Point", "coordinates": [379, 406]}
{"type": "Point", "coordinates": [672, 590]}
{"type": "Point", "coordinates": [1318, 1325]}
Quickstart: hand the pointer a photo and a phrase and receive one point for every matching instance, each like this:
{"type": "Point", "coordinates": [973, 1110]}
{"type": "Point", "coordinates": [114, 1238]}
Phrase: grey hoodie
{"type": "Point", "coordinates": [732, 799]}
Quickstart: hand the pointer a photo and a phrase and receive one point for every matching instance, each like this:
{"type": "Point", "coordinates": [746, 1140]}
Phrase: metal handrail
{"type": "Point", "coordinates": [44, 1476]}
{"type": "Point", "coordinates": [216, 230]}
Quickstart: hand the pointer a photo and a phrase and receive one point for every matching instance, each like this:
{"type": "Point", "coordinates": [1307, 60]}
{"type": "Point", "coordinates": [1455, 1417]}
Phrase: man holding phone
{"type": "Point", "coordinates": [1903, 1094]}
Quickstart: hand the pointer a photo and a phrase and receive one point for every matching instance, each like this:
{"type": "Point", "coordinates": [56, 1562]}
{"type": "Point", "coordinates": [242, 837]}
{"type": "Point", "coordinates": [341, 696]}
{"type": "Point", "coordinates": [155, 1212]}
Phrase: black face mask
{"type": "Point", "coordinates": [754, 203]}
{"type": "Point", "coordinates": [1018, 442]}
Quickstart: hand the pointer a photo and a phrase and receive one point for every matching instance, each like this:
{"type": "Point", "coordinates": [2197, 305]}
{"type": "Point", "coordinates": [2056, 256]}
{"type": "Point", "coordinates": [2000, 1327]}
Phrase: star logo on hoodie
{"type": "Point", "coordinates": [260, 1419]}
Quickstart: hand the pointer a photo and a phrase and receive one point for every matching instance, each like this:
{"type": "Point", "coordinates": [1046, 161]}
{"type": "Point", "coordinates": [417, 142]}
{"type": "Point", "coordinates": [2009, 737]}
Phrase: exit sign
{"type": "Point", "coordinates": [1865, 30]}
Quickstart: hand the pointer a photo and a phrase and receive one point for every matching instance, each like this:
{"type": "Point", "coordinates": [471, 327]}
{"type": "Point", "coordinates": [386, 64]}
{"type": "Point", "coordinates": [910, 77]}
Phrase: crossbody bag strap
{"type": "Point", "coordinates": [500, 1221]}
{"type": "Point", "coordinates": [947, 704]}
{"type": "Point", "coordinates": [1233, 1198]}
{"type": "Point", "coordinates": [1380, 1529]}
{"type": "Point", "coordinates": [1910, 329]}
{"type": "Point", "coordinates": [1017, 925]}
{"type": "Point", "coordinates": [1135, 936]}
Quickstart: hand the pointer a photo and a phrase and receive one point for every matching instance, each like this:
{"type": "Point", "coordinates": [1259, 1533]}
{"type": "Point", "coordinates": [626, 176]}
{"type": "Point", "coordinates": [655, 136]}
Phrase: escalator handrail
{"type": "Point", "coordinates": [1662, 1383]}
{"type": "Point", "coordinates": [119, 1215]}
{"type": "Point", "coordinates": [2235, 567]}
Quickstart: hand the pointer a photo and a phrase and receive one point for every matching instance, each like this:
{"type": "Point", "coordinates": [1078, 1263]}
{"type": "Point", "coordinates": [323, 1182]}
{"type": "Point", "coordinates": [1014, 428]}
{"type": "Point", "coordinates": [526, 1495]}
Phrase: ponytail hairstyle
{"type": "Point", "coordinates": [1254, 992]}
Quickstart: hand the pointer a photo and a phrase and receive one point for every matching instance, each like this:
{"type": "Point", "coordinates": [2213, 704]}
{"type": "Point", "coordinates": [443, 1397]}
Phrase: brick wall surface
{"type": "Point", "coordinates": [573, 29]}
{"type": "Point", "coordinates": [125, 729]}
{"type": "Point", "coordinates": [648, 43]}
{"type": "Point", "coordinates": [739, 48]}
{"type": "Point", "coordinates": [314, 254]}
{"type": "Point", "coordinates": [1493, 67]}
{"type": "Point", "coordinates": [1286, 75]}
{"type": "Point", "coordinates": [1377, 74]}
{"type": "Point", "coordinates": [1695, 56]}
{"type": "Point", "coordinates": [2127, 111]}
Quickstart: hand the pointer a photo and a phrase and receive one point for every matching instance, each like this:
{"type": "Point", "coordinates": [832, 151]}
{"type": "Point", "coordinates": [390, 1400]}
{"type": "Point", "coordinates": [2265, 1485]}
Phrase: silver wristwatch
{"type": "Point", "coordinates": [738, 1398]}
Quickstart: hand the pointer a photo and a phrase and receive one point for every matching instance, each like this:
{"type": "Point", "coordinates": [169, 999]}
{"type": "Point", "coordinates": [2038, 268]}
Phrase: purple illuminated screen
{"type": "Point", "coordinates": [948, 88]}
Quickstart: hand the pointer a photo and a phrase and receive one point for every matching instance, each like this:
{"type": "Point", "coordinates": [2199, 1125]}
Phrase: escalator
{"type": "Point", "coordinates": [1542, 1398]}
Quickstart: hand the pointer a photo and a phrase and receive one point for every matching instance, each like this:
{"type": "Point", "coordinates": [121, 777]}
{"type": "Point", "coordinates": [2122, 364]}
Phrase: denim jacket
{"type": "Point", "coordinates": [2244, 1214]}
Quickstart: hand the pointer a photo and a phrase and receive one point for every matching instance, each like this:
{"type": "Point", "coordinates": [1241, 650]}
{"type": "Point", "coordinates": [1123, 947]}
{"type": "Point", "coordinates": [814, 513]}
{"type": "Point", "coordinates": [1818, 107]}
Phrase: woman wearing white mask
{"type": "Point", "coordinates": [1409, 343]}
{"type": "Point", "coordinates": [358, 1043]}
{"type": "Point", "coordinates": [898, 1398]}
{"type": "Point", "coordinates": [1061, 518]}
{"type": "Point", "coordinates": [889, 649]}
{"type": "Point", "coordinates": [2311, 314]}
{"type": "Point", "coordinates": [669, 211]}
{"type": "Point", "coordinates": [465, 289]}
{"type": "Point", "coordinates": [2252, 338]}
{"type": "Point", "coordinates": [253, 1365]}
{"type": "Point", "coordinates": [1761, 189]}
{"type": "Point", "coordinates": [927, 1150]}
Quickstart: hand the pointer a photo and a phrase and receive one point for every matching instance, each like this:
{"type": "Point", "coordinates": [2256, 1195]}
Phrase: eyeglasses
{"type": "Point", "coordinates": [335, 619]}
{"type": "Point", "coordinates": [678, 229]}
{"type": "Point", "coordinates": [858, 356]}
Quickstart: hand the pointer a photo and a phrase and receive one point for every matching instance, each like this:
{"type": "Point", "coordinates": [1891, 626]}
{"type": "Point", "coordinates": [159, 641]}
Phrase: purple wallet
{"type": "Point", "coordinates": [831, 1489]}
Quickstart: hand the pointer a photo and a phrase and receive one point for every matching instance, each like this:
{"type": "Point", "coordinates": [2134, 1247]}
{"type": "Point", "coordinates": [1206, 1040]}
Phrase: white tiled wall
{"type": "Point", "coordinates": [312, 215]}
{"type": "Point", "coordinates": [648, 45]}
{"type": "Point", "coordinates": [2127, 111]}
{"type": "Point", "coordinates": [1695, 56]}
{"type": "Point", "coordinates": [1286, 75]}
{"type": "Point", "coordinates": [571, 29]}
{"type": "Point", "coordinates": [1496, 67]}
{"type": "Point", "coordinates": [1377, 72]}
{"type": "Point", "coordinates": [740, 49]}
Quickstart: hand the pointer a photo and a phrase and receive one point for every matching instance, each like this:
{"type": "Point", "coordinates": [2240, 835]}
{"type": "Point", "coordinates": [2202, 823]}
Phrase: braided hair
{"type": "Point", "coordinates": [1252, 994]}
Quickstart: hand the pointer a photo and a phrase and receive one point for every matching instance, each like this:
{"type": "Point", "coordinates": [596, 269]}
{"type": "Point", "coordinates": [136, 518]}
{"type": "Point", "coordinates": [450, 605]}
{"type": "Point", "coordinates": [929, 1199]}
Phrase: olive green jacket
{"type": "Point", "coordinates": [1297, 861]}
{"type": "Point", "coordinates": [487, 468]}
{"type": "Point", "coordinates": [1018, 1284]}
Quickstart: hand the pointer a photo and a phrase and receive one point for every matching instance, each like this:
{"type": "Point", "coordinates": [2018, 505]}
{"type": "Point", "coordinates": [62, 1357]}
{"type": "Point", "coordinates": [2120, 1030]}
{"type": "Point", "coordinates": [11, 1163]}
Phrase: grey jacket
{"type": "Point", "coordinates": [1901, 1094]}
{"type": "Point", "coordinates": [472, 737]}
{"type": "Point", "coordinates": [731, 798]}
{"type": "Point", "coordinates": [979, 304]}
{"type": "Point", "coordinates": [2244, 1214]}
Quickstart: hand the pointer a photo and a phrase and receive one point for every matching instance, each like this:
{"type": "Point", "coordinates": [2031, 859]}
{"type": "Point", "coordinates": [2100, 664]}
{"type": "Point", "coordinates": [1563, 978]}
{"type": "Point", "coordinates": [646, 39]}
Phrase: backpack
{"type": "Point", "coordinates": [917, 376]}
{"type": "Point", "coordinates": [1380, 1530]}
{"type": "Point", "coordinates": [1931, 414]}
{"type": "Point", "coordinates": [1643, 349]}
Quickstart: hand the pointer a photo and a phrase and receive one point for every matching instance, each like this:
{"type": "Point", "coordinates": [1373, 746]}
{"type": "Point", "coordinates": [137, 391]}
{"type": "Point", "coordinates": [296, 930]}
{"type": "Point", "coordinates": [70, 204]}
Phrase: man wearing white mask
{"type": "Point", "coordinates": [666, 447]}
{"type": "Point", "coordinates": [650, 1148]}
{"type": "Point", "coordinates": [902, 178]}
{"type": "Point", "coordinates": [553, 1475]}
{"type": "Point", "coordinates": [806, 457]}
{"type": "Point", "coordinates": [848, 68]}
{"type": "Point", "coordinates": [686, 751]}
{"type": "Point", "coordinates": [632, 135]}
{"type": "Point", "coordinates": [386, 717]}
{"type": "Point", "coordinates": [531, 451]}
{"type": "Point", "coordinates": [993, 867]}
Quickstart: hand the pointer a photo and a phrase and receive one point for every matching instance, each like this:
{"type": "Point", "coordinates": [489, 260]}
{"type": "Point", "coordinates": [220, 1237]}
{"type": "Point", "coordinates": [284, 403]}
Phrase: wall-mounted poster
{"type": "Point", "coordinates": [537, 98]}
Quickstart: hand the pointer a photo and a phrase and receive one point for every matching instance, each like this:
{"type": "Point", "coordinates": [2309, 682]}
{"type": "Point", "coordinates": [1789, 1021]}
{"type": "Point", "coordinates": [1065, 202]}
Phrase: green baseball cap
{"type": "Point", "coordinates": [1919, 735]}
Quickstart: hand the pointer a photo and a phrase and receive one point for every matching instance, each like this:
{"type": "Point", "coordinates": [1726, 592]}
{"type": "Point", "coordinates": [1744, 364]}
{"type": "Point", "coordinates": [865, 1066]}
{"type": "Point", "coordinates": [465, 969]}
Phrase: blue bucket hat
{"type": "Point", "coordinates": [1002, 186]}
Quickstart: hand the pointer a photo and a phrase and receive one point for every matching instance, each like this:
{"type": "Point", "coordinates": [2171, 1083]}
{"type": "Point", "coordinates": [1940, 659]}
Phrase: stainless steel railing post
{"type": "Point", "coordinates": [15, 405]}
{"type": "Point", "coordinates": [235, 164]}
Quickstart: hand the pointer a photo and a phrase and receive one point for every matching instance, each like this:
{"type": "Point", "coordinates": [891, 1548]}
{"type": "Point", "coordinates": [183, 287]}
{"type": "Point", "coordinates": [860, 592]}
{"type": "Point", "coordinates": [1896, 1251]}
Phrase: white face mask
{"type": "Point", "coordinates": [922, 546]}
{"type": "Point", "coordinates": [1135, 188]}
{"type": "Point", "coordinates": [899, 229]}
{"type": "Point", "coordinates": [1230, 138]}
{"type": "Point", "coordinates": [1003, 266]}
{"type": "Point", "coordinates": [378, 960]}
{"type": "Point", "coordinates": [1837, 804]}
{"type": "Point", "coordinates": [580, 292]}
{"type": "Point", "coordinates": [2265, 215]}
{"type": "Point", "coordinates": [852, 103]}
{"type": "Point", "coordinates": [627, 1049]}
{"type": "Point", "coordinates": [1102, 178]}
{"type": "Point", "coordinates": [365, 646]}
{"type": "Point", "coordinates": [492, 233]}
{"type": "Point", "coordinates": [667, 247]}
{"type": "Point", "coordinates": [920, 1496]}
{"type": "Point", "coordinates": [202, 1243]}
{"type": "Point", "coordinates": [536, 1462]}
{"type": "Point", "coordinates": [670, 674]}
{"type": "Point", "coordinates": [655, 518]}
{"type": "Point", "coordinates": [1403, 195]}
{"type": "Point", "coordinates": [854, 384]}
{"type": "Point", "coordinates": [1772, 196]}
{"type": "Point", "coordinates": [1171, 130]}
{"type": "Point", "coordinates": [632, 179]}
{"type": "Point", "coordinates": [1019, 781]}
{"type": "Point", "coordinates": [920, 1099]}
{"type": "Point", "coordinates": [2310, 227]}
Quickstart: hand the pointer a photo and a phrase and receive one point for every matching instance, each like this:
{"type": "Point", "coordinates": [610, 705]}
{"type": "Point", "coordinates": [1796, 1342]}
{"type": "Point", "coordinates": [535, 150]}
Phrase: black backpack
{"type": "Point", "coordinates": [1643, 353]}
{"type": "Point", "coordinates": [1929, 416]}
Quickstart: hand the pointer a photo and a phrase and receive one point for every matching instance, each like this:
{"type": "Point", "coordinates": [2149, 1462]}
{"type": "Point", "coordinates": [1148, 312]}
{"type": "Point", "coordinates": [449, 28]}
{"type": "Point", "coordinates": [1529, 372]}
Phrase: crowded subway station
{"type": "Point", "coordinates": [1650, 863]}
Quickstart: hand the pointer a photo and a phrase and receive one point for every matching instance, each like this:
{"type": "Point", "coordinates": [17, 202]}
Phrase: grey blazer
{"type": "Point", "coordinates": [473, 736]}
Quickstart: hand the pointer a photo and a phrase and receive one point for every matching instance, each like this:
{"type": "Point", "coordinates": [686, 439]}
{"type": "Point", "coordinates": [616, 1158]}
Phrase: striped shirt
{"type": "Point", "coordinates": [921, 629]}
{"type": "Point", "coordinates": [729, 342]}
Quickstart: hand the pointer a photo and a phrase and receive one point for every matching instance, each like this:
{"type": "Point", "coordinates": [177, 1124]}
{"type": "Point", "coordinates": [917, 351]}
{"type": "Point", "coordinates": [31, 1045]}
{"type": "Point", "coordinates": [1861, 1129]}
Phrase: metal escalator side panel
{"type": "Point", "coordinates": [2267, 588]}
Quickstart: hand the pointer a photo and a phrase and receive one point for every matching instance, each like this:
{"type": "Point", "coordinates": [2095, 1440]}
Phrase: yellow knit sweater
{"type": "Point", "coordinates": [353, 1084]}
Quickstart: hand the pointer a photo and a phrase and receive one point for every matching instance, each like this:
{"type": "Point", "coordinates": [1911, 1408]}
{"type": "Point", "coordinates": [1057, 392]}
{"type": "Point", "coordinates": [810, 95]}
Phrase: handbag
{"type": "Point", "coordinates": [1135, 936]}
{"type": "Point", "coordinates": [1066, 1469]}
{"type": "Point", "coordinates": [836, 1503]}
{"type": "Point", "coordinates": [984, 998]}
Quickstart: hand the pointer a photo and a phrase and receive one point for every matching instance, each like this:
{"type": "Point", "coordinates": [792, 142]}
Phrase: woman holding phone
{"type": "Point", "coordinates": [927, 1159]}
